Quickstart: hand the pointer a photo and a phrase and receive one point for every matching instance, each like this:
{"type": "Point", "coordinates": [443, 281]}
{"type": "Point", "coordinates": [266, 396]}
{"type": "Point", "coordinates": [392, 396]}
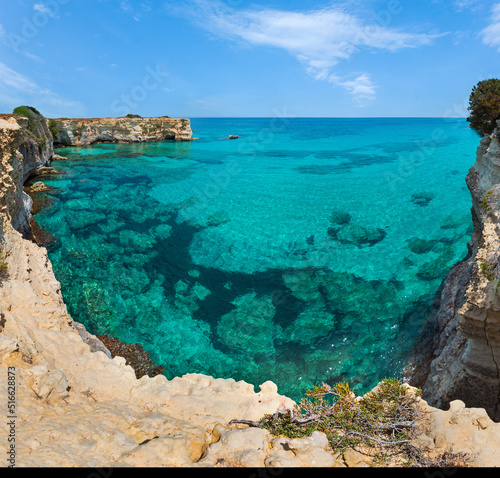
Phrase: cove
{"type": "Point", "coordinates": [305, 253]}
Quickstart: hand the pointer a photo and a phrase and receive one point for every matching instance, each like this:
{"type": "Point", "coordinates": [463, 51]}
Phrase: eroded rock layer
{"type": "Point", "coordinates": [458, 354]}
{"type": "Point", "coordinates": [85, 131]}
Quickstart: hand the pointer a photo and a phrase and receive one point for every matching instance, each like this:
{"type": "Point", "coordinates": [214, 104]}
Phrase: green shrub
{"type": "Point", "coordinates": [26, 111]}
{"type": "Point", "coordinates": [130, 115]}
{"type": "Point", "coordinates": [3, 267]}
{"type": "Point", "coordinates": [35, 120]}
{"type": "Point", "coordinates": [384, 424]}
{"type": "Point", "coordinates": [484, 106]}
{"type": "Point", "coordinates": [53, 128]}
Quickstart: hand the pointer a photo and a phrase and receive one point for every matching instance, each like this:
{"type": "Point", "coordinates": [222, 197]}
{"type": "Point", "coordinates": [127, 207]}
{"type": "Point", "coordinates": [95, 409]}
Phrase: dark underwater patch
{"type": "Point", "coordinates": [421, 246]}
{"type": "Point", "coordinates": [422, 199]}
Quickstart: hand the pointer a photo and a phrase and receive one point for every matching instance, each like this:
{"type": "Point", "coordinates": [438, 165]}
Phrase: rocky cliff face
{"type": "Point", "coordinates": [77, 132]}
{"type": "Point", "coordinates": [29, 147]}
{"type": "Point", "coordinates": [458, 354]}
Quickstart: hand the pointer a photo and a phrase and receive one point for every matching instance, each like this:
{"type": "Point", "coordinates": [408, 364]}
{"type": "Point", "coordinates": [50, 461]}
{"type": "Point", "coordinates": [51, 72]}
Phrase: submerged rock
{"type": "Point", "coordinates": [340, 217]}
{"type": "Point", "coordinates": [303, 285]}
{"type": "Point", "coordinates": [314, 324]}
{"type": "Point", "coordinates": [435, 269]}
{"type": "Point", "coordinates": [422, 199]}
{"type": "Point", "coordinates": [249, 328]}
{"type": "Point", "coordinates": [360, 236]}
{"type": "Point", "coordinates": [421, 246]}
{"type": "Point", "coordinates": [451, 222]}
{"type": "Point", "coordinates": [333, 232]}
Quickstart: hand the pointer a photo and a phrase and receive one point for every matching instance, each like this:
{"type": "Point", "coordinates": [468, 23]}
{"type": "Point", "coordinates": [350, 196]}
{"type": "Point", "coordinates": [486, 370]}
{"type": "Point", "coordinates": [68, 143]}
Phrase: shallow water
{"type": "Point", "coordinates": [306, 250]}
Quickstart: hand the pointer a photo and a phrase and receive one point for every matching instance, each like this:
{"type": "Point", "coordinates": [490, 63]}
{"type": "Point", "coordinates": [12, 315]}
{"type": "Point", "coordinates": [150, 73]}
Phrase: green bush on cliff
{"type": "Point", "coordinates": [3, 267]}
{"type": "Point", "coordinates": [383, 424]}
{"type": "Point", "coordinates": [30, 113]}
{"type": "Point", "coordinates": [484, 106]}
{"type": "Point", "coordinates": [26, 111]}
{"type": "Point", "coordinates": [36, 128]}
{"type": "Point", "coordinates": [53, 128]}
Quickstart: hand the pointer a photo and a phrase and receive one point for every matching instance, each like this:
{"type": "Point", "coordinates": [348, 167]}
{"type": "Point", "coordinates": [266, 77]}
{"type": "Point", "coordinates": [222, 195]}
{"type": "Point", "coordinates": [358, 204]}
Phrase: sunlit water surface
{"type": "Point", "coordinates": [306, 250]}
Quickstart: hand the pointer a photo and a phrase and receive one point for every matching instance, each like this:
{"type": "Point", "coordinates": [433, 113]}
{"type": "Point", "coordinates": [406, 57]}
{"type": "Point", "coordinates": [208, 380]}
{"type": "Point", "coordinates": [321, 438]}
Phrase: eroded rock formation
{"type": "Point", "coordinates": [84, 131]}
{"type": "Point", "coordinates": [458, 354]}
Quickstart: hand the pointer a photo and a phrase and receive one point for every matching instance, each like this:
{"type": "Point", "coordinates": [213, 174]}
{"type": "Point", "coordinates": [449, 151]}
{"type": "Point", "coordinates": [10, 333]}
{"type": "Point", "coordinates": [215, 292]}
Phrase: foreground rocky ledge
{"type": "Point", "coordinates": [77, 406]}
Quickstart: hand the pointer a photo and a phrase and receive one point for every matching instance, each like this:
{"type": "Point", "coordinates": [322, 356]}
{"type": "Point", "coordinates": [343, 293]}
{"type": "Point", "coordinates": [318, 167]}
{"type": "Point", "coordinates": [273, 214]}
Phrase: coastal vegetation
{"type": "Point", "coordinates": [36, 121]}
{"type": "Point", "coordinates": [383, 424]}
{"type": "Point", "coordinates": [3, 267]}
{"type": "Point", "coordinates": [484, 106]}
{"type": "Point", "coordinates": [53, 128]}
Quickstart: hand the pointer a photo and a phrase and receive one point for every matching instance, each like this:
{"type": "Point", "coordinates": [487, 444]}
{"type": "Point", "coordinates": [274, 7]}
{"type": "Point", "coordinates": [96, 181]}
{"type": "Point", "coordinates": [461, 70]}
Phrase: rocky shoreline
{"type": "Point", "coordinates": [458, 353]}
{"type": "Point", "coordinates": [80, 405]}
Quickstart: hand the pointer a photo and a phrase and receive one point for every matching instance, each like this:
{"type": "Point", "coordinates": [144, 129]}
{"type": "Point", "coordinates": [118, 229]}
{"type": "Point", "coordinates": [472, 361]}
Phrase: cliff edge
{"type": "Point", "coordinates": [458, 353]}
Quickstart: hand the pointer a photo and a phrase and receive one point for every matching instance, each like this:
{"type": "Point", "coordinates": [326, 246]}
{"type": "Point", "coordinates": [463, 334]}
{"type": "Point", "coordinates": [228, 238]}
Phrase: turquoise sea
{"type": "Point", "coordinates": [306, 250]}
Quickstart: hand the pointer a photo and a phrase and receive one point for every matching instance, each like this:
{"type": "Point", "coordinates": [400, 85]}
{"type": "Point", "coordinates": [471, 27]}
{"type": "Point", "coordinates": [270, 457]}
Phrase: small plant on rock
{"type": "Point", "coordinates": [3, 267]}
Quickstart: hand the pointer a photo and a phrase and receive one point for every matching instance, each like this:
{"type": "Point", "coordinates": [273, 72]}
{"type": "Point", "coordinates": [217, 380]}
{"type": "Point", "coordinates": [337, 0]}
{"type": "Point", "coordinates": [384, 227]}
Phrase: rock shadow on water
{"type": "Point", "coordinates": [452, 222]}
{"type": "Point", "coordinates": [436, 269]}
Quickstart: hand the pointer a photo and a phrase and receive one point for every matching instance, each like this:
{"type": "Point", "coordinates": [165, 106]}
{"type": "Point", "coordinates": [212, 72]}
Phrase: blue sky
{"type": "Point", "coordinates": [238, 58]}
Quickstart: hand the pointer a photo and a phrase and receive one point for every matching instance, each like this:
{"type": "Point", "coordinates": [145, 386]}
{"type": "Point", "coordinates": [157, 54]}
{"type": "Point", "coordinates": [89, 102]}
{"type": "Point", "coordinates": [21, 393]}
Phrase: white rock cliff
{"type": "Point", "coordinates": [85, 131]}
{"type": "Point", "coordinates": [458, 354]}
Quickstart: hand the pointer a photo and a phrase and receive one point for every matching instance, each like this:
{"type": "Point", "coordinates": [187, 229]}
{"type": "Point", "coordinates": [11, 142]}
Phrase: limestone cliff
{"type": "Point", "coordinates": [458, 353]}
{"type": "Point", "coordinates": [77, 132]}
{"type": "Point", "coordinates": [30, 141]}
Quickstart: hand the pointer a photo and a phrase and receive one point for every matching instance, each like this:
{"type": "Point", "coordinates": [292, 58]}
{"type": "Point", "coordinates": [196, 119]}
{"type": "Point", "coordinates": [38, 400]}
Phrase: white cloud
{"type": "Point", "coordinates": [125, 6]}
{"type": "Point", "coordinates": [491, 34]}
{"type": "Point", "coordinates": [319, 39]}
{"type": "Point", "coordinates": [144, 7]}
{"type": "Point", "coordinates": [361, 88]}
{"type": "Point", "coordinates": [461, 5]}
{"type": "Point", "coordinates": [16, 88]}
{"type": "Point", "coordinates": [40, 7]}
